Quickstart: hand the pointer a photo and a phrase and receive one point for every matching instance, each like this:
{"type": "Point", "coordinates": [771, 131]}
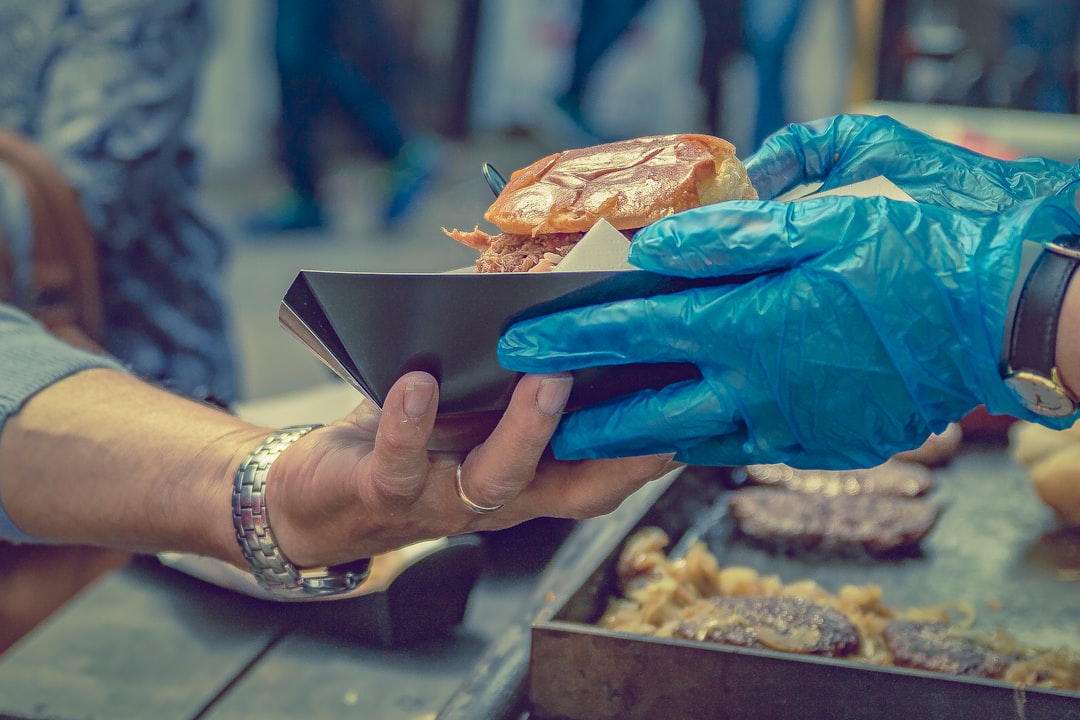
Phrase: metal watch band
{"type": "Point", "coordinates": [251, 518]}
{"type": "Point", "coordinates": [1031, 365]}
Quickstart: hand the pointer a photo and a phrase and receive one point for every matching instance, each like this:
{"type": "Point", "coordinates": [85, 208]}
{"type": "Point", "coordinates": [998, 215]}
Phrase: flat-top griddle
{"type": "Point", "coordinates": [995, 547]}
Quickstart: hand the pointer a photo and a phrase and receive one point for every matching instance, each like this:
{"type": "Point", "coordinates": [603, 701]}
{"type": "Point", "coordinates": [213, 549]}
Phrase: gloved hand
{"type": "Point", "coordinates": [849, 148]}
{"type": "Point", "coordinates": [870, 324]}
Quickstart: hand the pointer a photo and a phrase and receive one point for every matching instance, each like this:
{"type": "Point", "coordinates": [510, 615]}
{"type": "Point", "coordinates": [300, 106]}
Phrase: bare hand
{"type": "Point", "coordinates": [378, 480]}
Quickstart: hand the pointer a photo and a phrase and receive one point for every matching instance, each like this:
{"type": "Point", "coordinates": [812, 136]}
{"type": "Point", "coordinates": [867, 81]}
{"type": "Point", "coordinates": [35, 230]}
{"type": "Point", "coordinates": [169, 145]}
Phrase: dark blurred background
{"type": "Point", "coordinates": [462, 66]}
{"type": "Point", "coordinates": [492, 81]}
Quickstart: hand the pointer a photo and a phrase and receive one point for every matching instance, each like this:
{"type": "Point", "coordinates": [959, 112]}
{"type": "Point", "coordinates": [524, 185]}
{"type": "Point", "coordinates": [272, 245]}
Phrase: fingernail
{"type": "Point", "coordinates": [418, 396]}
{"type": "Point", "coordinates": [553, 393]}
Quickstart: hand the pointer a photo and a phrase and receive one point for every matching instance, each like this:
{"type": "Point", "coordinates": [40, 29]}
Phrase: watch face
{"type": "Point", "coordinates": [1041, 395]}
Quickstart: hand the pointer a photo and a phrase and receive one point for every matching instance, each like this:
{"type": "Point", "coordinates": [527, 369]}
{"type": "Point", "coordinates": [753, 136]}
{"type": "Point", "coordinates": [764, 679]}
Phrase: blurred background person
{"type": "Point", "coordinates": [769, 26]}
{"type": "Point", "coordinates": [314, 71]}
{"type": "Point", "coordinates": [764, 31]}
{"type": "Point", "coordinates": [723, 39]}
{"type": "Point", "coordinates": [600, 25]}
{"type": "Point", "coordinates": [104, 89]}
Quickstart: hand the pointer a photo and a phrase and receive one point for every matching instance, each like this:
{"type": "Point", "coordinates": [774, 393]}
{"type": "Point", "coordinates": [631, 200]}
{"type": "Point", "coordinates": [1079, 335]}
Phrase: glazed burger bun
{"type": "Point", "coordinates": [630, 184]}
{"type": "Point", "coordinates": [546, 207]}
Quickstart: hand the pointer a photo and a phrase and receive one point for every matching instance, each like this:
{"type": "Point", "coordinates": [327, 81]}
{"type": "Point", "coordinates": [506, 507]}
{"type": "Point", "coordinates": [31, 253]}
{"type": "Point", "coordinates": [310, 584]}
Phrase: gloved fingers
{"type": "Point", "coordinates": [746, 237]}
{"type": "Point", "coordinates": [809, 152]}
{"type": "Point", "coordinates": [730, 450]}
{"type": "Point", "coordinates": [630, 331]}
{"type": "Point", "coordinates": [1045, 220]}
{"type": "Point", "coordinates": [651, 421]}
{"type": "Point", "coordinates": [739, 448]}
{"type": "Point", "coordinates": [734, 450]}
{"type": "Point", "coordinates": [848, 148]}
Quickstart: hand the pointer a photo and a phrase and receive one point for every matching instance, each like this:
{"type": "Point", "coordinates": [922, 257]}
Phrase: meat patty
{"type": "Point", "coordinates": [935, 646]}
{"type": "Point", "coordinates": [846, 525]}
{"type": "Point", "coordinates": [780, 622]}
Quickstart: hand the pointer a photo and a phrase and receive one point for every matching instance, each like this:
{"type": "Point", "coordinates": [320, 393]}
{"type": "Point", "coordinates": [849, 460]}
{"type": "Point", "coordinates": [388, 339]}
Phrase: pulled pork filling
{"type": "Point", "coordinates": [525, 253]}
{"type": "Point", "coordinates": [507, 252]}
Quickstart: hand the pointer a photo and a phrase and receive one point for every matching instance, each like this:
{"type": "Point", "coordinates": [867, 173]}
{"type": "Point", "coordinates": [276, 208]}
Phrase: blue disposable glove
{"type": "Point", "coordinates": [848, 148]}
{"type": "Point", "coordinates": [870, 324]}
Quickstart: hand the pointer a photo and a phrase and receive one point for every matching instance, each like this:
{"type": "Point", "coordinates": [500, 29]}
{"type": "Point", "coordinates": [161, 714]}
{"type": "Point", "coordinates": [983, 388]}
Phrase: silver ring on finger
{"type": "Point", "coordinates": [476, 508]}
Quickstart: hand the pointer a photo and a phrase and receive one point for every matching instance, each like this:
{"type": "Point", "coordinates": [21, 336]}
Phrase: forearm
{"type": "Point", "coordinates": [102, 458]}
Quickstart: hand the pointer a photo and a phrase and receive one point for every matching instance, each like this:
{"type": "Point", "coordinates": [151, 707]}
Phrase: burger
{"type": "Point", "coordinates": [545, 208]}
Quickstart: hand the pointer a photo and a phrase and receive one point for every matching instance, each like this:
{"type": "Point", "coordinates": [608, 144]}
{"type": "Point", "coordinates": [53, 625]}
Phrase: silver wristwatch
{"type": "Point", "coordinates": [251, 518]}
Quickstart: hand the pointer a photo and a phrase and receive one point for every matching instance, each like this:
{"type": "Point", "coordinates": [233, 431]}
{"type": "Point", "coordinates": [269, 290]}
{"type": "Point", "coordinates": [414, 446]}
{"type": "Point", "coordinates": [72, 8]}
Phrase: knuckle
{"type": "Point", "coordinates": [530, 447]}
{"type": "Point", "coordinates": [396, 486]}
{"type": "Point", "coordinates": [491, 493]}
{"type": "Point", "coordinates": [395, 447]}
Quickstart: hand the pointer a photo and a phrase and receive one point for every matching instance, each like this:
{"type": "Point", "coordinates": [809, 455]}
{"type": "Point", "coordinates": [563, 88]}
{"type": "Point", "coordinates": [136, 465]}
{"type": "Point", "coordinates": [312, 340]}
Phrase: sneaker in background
{"type": "Point", "coordinates": [410, 177]}
{"type": "Point", "coordinates": [293, 212]}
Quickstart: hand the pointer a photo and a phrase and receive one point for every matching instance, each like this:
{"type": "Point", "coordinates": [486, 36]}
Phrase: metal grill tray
{"type": "Point", "coordinates": [995, 546]}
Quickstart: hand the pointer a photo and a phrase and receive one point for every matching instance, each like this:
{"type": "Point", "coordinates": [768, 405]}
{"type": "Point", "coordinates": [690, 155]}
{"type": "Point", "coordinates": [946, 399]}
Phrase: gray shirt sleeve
{"type": "Point", "coordinates": [30, 360]}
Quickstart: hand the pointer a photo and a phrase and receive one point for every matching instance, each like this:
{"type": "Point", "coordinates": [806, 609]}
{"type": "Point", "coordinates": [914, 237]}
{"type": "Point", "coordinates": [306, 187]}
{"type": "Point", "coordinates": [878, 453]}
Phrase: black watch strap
{"type": "Point", "coordinates": [1030, 364]}
{"type": "Point", "coordinates": [1034, 336]}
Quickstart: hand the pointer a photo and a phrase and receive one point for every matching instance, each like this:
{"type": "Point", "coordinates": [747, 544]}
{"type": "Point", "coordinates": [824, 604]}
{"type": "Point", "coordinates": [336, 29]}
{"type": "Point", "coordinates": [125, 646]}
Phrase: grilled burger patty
{"type": "Point", "coordinates": [847, 525]}
{"type": "Point", "coordinates": [776, 622]}
{"type": "Point", "coordinates": [936, 646]}
{"type": "Point", "coordinates": [902, 479]}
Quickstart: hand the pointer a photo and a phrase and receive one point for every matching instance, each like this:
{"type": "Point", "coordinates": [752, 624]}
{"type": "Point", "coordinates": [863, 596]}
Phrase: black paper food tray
{"type": "Point", "coordinates": [369, 328]}
{"type": "Point", "coordinates": [995, 545]}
